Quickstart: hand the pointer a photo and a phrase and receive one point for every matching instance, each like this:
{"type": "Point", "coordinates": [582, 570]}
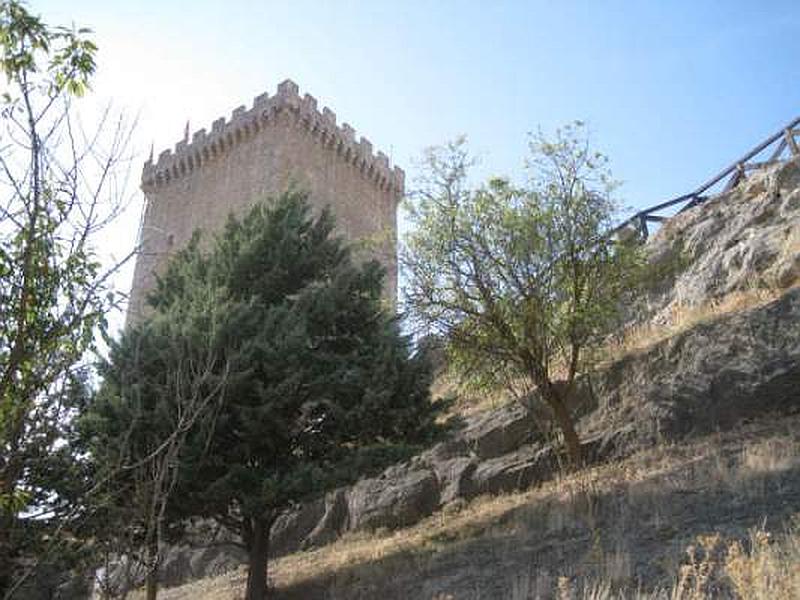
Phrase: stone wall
{"type": "Point", "coordinates": [280, 141]}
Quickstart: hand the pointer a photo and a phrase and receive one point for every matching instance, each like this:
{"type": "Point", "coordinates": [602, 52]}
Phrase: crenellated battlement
{"type": "Point", "coordinates": [243, 124]}
{"type": "Point", "coordinates": [252, 155]}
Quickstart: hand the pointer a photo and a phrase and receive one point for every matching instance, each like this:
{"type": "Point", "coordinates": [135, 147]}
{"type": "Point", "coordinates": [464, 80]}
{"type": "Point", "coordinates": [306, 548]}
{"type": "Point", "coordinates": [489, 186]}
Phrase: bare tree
{"type": "Point", "coordinates": [139, 424]}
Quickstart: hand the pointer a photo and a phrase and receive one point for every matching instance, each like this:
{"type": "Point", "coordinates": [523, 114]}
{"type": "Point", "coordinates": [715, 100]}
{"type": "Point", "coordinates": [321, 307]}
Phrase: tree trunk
{"type": "Point", "coordinates": [257, 556]}
{"type": "Point", "coordinates": [5, 553]}
{"type": "Point", "coordinates": [565, 423]}
{"type": "Point", "coordinates": [152, 585]}
{"type": "Point", "coordinates": [151, 581]}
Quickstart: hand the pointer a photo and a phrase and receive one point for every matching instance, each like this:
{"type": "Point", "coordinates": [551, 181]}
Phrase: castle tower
{"type": "Point", "coordinates": [280, 141]}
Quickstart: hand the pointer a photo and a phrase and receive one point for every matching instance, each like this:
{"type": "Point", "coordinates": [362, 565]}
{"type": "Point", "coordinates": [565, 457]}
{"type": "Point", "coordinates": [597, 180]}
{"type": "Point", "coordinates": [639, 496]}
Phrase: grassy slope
{"type": "Point", "coordinates": [628, 525]}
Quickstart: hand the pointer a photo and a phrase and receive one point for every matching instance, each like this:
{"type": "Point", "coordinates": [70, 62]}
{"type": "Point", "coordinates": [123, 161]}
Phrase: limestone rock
{"type": "Point", "coordinates": [497, 432]}
{"type": "Point", "coordinates": [743, 239]}
{"type": "Point", "coordinates": [704, 379]}
{"type": "Point", "coordinates": [311, 524]}
{"type": "Point", "coordinates": [515, 470]}
{"type": "Point", "coordinates": [291, 528]}
{"type": "Point", "coordinates": [207, 555]}
{"type": "Point", "coordinates": [456, 478]}
{"type": "Point", "coordinates": [402, 495]}
{"type": "Point", "coordinates": [334, 520]}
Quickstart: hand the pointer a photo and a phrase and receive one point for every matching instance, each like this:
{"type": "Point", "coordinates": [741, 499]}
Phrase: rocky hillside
{"type": "Point", "coordinates": [657, 525]}
{"type": "Point", "coordinates": [673, 379]}
{"type": "Point", "coordinates": [739, 241]}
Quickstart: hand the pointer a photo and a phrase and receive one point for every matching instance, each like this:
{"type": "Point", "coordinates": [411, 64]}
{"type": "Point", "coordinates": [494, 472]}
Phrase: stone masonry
{"type": "Point", "coordinates": [259, 152]}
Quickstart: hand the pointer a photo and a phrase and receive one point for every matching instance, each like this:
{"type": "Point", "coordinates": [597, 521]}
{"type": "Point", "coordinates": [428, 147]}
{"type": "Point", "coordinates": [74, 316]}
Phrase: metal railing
{"type": "Point", "coordinates": [783, 142]}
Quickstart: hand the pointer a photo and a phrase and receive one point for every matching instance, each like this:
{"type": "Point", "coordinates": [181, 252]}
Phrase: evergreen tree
{"type": "Point", "coordinates": [320, 385]}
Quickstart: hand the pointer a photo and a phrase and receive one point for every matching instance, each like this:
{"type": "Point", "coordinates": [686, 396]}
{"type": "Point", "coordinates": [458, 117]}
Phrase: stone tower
{"type": "Point", "coordinates": [282, 140]}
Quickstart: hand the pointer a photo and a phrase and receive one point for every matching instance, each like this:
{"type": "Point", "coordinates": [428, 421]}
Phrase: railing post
{"type": "Point", "coordinates": [792, 143]}
{"type": "Point", "coordinates": [737, 177]}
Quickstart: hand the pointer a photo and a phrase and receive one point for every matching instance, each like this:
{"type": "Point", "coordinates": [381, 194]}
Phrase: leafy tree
{"type": "Point", "coordinates": [520, 280]}
{"type": "Point", "coordinates": [320, 384]}
{"type": "Point", "coordinates": [53, 292]}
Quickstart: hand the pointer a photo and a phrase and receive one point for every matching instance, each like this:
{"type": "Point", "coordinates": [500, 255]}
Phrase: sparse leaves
{"type": "Point", "coordinates": [53, 292]}
{"type": "Point", "coordinates": [42, 59]}
{"type": "Point", "coordinates": [518, 278]}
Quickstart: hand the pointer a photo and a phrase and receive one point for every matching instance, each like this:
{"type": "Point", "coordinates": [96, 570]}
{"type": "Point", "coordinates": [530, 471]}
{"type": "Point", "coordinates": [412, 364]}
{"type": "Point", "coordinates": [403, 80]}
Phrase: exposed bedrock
{"type": "Point", "coordinates": [722, 371]}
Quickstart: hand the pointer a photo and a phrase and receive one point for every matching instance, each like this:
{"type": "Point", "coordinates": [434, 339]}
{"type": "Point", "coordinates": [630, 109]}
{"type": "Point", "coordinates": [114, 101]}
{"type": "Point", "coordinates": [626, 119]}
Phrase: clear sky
{"type": "Point", "coordinates": [672, 90]}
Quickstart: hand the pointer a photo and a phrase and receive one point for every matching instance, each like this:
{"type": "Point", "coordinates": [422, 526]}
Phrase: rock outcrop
{"type": "Point", "coordinates": [709, 377]}
{"type": "Point", "coordinates": [702, 380]}
{"type": "Point", "coordinates": [741, 240]}
{"type": "Point", "coordinates": [705, 379]}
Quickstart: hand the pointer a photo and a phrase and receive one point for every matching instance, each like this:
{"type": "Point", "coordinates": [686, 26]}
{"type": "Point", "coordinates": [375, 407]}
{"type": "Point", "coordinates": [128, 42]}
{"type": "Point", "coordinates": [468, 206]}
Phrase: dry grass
{"type": "Point", "coordinates": [769, 569]}
{"type": "Point", "coordinates": [683, 317]}
{"type": "Point", "coordinates": [791, 245]}
{"type": "Point", "coordinates": [635, 339]}
{"type": "Point", "coordinates": [769, 456]}
{"type": "Point", "coordinates": [766, 567]}
{"type": "Point", "coordinates": [466, 401]}
{"type": "Point", "coordinates": [720, 461]}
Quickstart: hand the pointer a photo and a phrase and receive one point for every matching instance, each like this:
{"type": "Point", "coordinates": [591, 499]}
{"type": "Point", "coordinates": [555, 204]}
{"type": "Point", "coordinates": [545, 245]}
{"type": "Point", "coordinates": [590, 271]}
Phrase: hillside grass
{"type": "Point", "coordinates": [683, 317]}
{"type": "Point", "coordinates": [762, 565]}
{"type": "Point", "coordinates": [637, 338]}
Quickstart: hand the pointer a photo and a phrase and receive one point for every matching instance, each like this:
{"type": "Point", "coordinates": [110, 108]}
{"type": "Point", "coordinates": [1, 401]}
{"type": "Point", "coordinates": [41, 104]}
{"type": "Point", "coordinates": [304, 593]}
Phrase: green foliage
{"type": "Point", "coordinates": [318, 384]}
{"type": "Point", "coordinates": [318, 373]}
{"type": "Point", "coordinates": [159, 382]}
{"type": "Point", "coordinates": [53, 292]}
{"type": "Point", "coordinates": [54, 59]}
{"type": "Point", "coordinates": [519, 279]}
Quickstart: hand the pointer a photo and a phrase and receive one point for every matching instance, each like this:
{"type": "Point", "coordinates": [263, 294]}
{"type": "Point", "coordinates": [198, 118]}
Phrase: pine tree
{"type": "Point", "coordinates": [320, 385]}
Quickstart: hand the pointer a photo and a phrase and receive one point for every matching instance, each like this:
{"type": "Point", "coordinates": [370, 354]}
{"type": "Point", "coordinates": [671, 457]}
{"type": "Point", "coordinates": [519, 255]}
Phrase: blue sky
{"type": "Point", "coordinates": [672, 90]}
